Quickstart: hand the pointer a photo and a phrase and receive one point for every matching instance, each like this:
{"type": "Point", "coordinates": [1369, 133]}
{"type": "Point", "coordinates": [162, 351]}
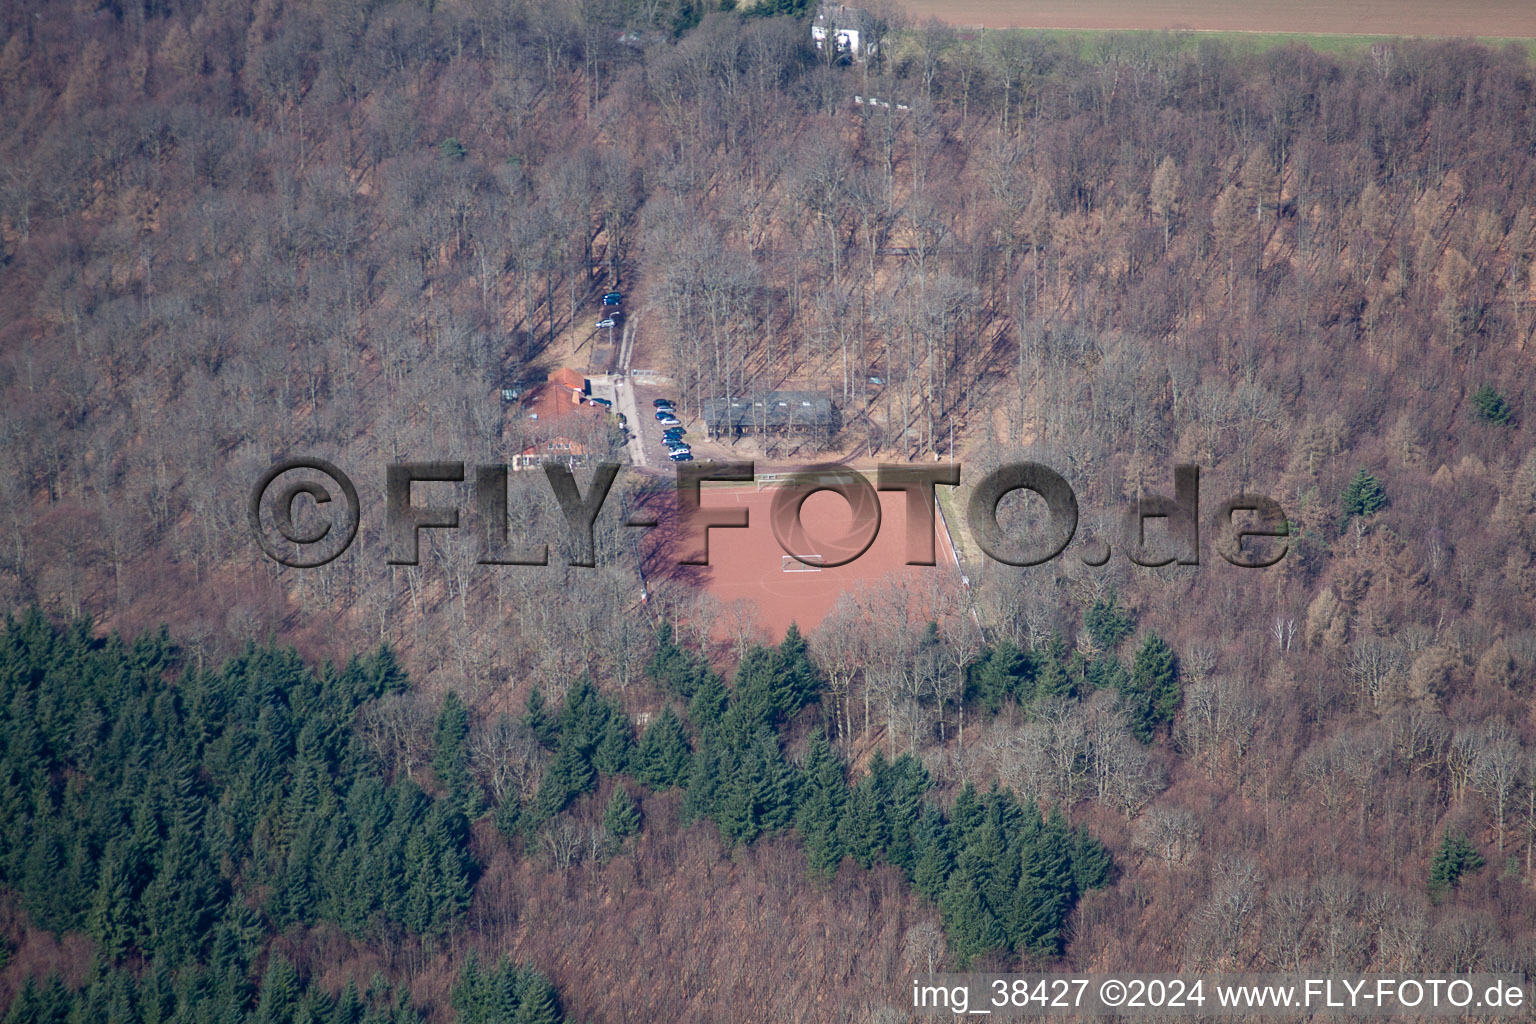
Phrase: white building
{"type": "Point", "coordinates": [844, 25]}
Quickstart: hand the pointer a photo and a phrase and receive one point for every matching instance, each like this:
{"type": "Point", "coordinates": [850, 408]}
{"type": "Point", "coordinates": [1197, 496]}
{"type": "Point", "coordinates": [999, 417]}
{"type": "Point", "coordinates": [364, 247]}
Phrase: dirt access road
{"type": "Point", "coordinates": [1509, 18]}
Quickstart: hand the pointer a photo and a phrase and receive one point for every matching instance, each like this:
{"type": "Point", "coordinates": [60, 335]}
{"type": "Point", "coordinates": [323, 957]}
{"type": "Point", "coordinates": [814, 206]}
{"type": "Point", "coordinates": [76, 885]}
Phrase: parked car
{"type": "Point", "coordinates": [607, 321]}
{"type": "Point", "coordinates": [605, 403]}
{"type": "Point", "coordinates": [677, 446]}
{"type": "Point", "coordinates": [668, 420]}
{"type": "Point", "coordinates": [673, 433]}
{"type": "Point", "coordinates": [681, 456]}
{"type": "Point", "coordinates": [612, 298]}
{"type": "Point", "coordinates": [664, 403]}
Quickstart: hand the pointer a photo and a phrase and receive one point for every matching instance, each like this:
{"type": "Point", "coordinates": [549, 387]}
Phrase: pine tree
{"type": "Point", "coordinates": [1456, 857]}
{"type": "Point", "coordinates": [1003, 672]}
{"type": "Point", "coordinates": [675, 668]}
{"type": "Point", "coordinates": [1162, 675]}
{"type": "Point", "coordinates": [706, 776]}
{"type": "Point", "coordinates": [822, 794]}
{"type": "Point", "coordinates": [757, 696]}
{"type": "Point", "coordinates": [570, 775]}
{"type": "Point", "coordinates": [1044, 893]}
{"type": "Point", "coordinates": [1152, 691]}
{"type": "Point", "coordinates": [111, 921]}
{"type": "Point", "coordinates": [709, 702]}
{"type": "Point", "coordinates": [538, 1003]}
{"type": "Point", "coordinates": [661, 761]}
{"type": "Point", "coordinates": [1051, 677]}
{"type": "Point", "coordinates": [965, 814]}
{"type": "Point", "coordinates": [1107, 622]}
{"type": "Point", "coordinates": [451, 888]}
{"type": "Point", "coordinates": [616, 743]}
{"type": "Point", "coordinates": [757, 795]}
{"type": "Point", "coordinates": [799, 681]}
{"type": "Point", "coordinates": [1364, 496]}
{"type": "Point", "coordinates": [1492, 407]}
{"type": "Point", "coordinates": [279, 992]}
{"type": "Point", "coordinates": [349, 1007]}
{"type": "Point", "coordinates": [971, 923]}
{"type": "Point", "coordinates": [934, 860]}
{"type": "Point", "coordinates": [583, 716]}
{"type": "Point", "coordinates": [179, 903]}
{"type": "Point", "coordinates": [621, 818]}
{"type": "Point", "coordinates": [777, 785]}
{"type": "Point", "coordinates": [538, 721]}
{"type": "Point", "coordinates": [450, 758]}
{"type": "Point", "coordinates": [903, 805]}
{"type": "Point", "coordinates": [508, 818]}
{"type": "Point", "coordinates": [859, 831]}
{"type": "Point", "coordinates": [1092, 866]}
{"type": "Point", "coordinates": [468, 991]}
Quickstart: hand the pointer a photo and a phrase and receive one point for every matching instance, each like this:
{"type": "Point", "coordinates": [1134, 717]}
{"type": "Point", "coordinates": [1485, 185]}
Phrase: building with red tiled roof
{"type": "Point", "coordinates": [564, 393]}
{"type": "Point", "coordinates": [558, 448]}
{"type": "Point", "coordinates": [554, 415]}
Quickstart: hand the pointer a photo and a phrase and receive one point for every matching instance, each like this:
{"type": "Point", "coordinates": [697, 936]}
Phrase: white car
{"type": "Point", "coordinates": [607, 321]}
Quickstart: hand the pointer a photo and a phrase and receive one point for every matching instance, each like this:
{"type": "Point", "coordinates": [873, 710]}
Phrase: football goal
{"type": "Point", "coordinates": [791, 563]}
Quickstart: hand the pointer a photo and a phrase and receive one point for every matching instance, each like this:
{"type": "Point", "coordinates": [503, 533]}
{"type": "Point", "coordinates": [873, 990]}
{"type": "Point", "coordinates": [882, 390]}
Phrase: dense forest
{"type": "Point", "coordinates": [178, 826]}
{"type": "Point", "coordinates": [232, 233]}
{"type": "Point", "coordinates": [193, 824]}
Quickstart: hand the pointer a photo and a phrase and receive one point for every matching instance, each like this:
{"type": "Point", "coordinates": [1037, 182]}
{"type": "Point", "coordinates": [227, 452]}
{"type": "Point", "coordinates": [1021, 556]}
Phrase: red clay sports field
{"type": "Point", "coordinates": [749, 563]}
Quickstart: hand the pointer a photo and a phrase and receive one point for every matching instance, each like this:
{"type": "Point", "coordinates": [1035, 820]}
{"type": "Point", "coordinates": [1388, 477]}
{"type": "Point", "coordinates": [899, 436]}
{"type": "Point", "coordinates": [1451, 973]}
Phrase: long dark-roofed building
{"type": "Point", "coordinates": [771, 412]}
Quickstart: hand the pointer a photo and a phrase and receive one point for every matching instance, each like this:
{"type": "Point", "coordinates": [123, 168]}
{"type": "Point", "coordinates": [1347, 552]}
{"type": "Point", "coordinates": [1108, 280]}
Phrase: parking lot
{"type": "Point", "coordinates": [635, 398]}
{"type": "Point", "coordinates": [646, 391]}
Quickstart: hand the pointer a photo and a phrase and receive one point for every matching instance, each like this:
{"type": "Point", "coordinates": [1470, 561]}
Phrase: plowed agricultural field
{"type": "Point", "coordinates": [1499, 18]}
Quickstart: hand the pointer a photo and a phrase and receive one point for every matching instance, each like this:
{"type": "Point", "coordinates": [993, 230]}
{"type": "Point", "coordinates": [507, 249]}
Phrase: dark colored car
{"type": "Point", "coordinates": [612, 299]}
{"type": "Point", "coordinates": [664, 403]}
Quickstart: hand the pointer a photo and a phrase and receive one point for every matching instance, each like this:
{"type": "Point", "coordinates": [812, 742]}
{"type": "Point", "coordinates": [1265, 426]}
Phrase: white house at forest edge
{"type": "Point", "coordinates": [843, 25]}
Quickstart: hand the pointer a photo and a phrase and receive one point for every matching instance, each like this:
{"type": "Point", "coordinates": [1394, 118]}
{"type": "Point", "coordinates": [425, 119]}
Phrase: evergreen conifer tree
{"type": "Point", "coordinates": [859, 830]}
{"type": "Point", "coordinates": [709, 702]}
{"type": "Point", "coordinates": [1455, 857]}
{"type": "Point", "coordinates": [823, 793]}
{"type": "Point", "coordinates": [538, 720]}
{"type": "Point", "coordinates": [933, 860]}
{"type": "Point", "coordinates": [1107, 622]}
{"type": "Point", "coordinates": [1364, 496]}
{"type": "Point", "coordinates": [799, 679]}
{"type": "Point", "coordinates": [616, 743]}
{"type": "Point", "coordinates": [1155, 673]}
{"type": "Point", "coordinates": [661, 760]}
{"type": "Point", "coordinates": [450, 757]}
{"type": "Point", "coordinates": [621, 818]}
{"type": "Point", "coordinates": [971, 923]}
